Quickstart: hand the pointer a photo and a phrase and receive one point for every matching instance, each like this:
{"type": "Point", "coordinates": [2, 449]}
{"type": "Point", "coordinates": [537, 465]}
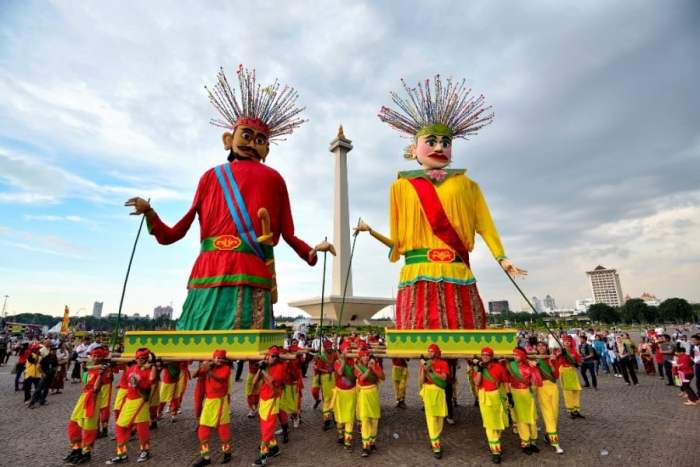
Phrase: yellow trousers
{"type": "Point", "coordinates": [345, 430]}
{"type": "Point", "coordinates": [434, 430]}
{"type": "Point", "coordinates": [571, 387]}
{"type": "Point", "coordinates": [548, 397]}
{"type": "Point", "coordinates": [369, 429]}
{"type": "Point", "coordinates": [572, 400]}
{"type": "Point", "coordinates": [494, 439]}
{"type": "Point", "coordinates": [525, 416]}
{"type": "Point", "coordinates": [327, 384]}
{"type": "Point", "coordinates": [399, 376]}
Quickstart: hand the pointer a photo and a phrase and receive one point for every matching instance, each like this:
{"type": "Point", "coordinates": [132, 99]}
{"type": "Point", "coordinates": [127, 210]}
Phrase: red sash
{"type": "Point", "coordinates": [437, 218]}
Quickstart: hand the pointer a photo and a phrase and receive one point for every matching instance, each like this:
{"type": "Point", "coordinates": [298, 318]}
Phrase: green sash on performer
{"type": "Point", "coordinates": [546, 369]}
{"type": "Point", "coordinates": [438, 381]}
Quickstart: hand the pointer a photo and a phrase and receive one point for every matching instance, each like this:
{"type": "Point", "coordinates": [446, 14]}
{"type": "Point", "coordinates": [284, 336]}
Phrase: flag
{"type": "Point", "coordinates": [66, 320]}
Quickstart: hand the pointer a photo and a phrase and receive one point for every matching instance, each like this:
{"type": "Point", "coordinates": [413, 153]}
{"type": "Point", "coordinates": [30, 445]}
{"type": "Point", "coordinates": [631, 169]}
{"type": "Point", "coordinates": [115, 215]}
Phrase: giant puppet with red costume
{"type": "Point", "coordinates": [243, 209]}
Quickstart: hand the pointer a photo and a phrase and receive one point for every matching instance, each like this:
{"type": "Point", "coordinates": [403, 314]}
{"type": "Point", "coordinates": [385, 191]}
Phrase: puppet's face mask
{"type": "Point", "coordinates": [250, 143]}
{"type": "Point", "coordinates": [433, 151]}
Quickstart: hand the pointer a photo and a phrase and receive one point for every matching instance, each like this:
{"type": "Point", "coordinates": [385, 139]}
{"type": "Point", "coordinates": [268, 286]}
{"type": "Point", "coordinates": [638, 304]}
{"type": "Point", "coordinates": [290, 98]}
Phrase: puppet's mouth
{"type": "Point", "coordinates": [438, 156]}
{"type": "Point", "coordinates": [248, 151]}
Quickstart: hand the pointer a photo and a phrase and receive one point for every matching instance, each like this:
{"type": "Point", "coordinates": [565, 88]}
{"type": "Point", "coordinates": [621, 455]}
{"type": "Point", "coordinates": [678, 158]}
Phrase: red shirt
{"type": "Point", "coordinates": [553, 368]}
{"type": "Point", "coordinates": [217, 381]}
{"type": "Point", "coordinates": [170, 373]}
{"type": "Point", "coordinates": [345, 375]}
{"type": "Point", "coordinates": [139, 381]}
{"type": "Point", "coordinates": [321, 366]}
{"type": "Point", "coordinates": [92, 377]}
{"type": "Point", "coordinates": [528, 376]}
{"type": "Point", "coordinates": [497, 373]}
{"type": "Point", "coordinates": [373, 378]}
{"type": "Point", "coordinates": [685, 363]}
{"type": "Point", "coordinates": [22, 359]}
{"type": "Point", "coordinates": [260, 186]}
{"type": "Point", "coordinates": [439, 366]}
{"type": "Point", "coordinates": [293, 373]}
{"type": "Point", "coordinates": [123, 380]}
{"type": "Point", "coordinates": [402, 362]}
{"type": "Point", "coordinates": [274, 388]}
{"type": "Point", "coordinates": [563, 361]}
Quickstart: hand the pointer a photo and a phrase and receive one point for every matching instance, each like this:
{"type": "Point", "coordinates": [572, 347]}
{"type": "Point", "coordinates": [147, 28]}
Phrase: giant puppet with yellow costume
{"type": "Point", "coordinates": [243, 209]}
{"type": "Point", "coordinates": [435, 211]}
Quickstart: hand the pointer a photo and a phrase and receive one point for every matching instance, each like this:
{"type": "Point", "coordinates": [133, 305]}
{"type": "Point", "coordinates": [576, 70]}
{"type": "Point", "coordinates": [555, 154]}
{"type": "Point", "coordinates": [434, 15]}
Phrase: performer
{"type": "Point", "coordinates": [523, 379]}
{"type": "Point", "coordinates": [433, 376]}
{"type": "Point", "coordinates": [548, 395]}
{"type": "Point", "coordinates": [252, 391]}
{"type": "Point", "coordinates": [290, 402]}
{"type": "Point", "coordinates": [169, 377]}
{"type": "Point", "coordinates": [154, 407]}
{"type": "Point", "coordinates": [180, 388]}
{"type": "Point", "coordinates": [567, 362]}
{"type": "Point", "coordinates": [216, 412]}
{"type": "Point", "coordinates": [122, 389]}
{"type": "Point", "coordinates": [104, 399]}
{"type": "Point", "coordinates": [323, 385]}
{"type": "Point", "coordinates": [435, 211]}
{"type": "Point", "coordinates": [243, 209]}
{"type": "Point", "coordinates": [369, 375]}
{"type": "Point", "coordinates": [345, 396]}
{"type": "Point", "coordinates": [199, 390]}
{"type": "Point", "coordinates": [271, 374]}
{"type": "Point", "coordinates": [489, 376]}
{"type": "Point", "coordinates": [135, 412]}
{"type": "Point", "coordinates": [83, 423]}
{"type": "Point", "coordinates": [399, 376]}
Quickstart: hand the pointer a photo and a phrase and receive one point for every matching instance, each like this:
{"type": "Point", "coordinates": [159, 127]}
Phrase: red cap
{"type": "Point", "coordinates": [436, 350]}
{"type": "Point", "coordinates": [219, 353]}
{"type": "Point", "coordinates": [99, 353]}
{"type": "Point", "coordinates": [487, 350]}
{"type": "Point", "coordinates": [519, 352]}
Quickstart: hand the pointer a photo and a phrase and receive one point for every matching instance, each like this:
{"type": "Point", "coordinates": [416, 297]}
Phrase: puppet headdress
{"type": "Point", "coordinates": [449, 109]}
{"type": "Point", "coordinates": [270, 109]}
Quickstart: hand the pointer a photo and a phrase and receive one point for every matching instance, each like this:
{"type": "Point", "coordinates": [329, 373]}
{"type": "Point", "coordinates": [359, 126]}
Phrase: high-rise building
{"type": "Point", "coordinates": [97, 309]}
{"type": "Point", "coordinates": [548, 303]}
{"type": "Point", "coordinates": [582, 305]}
{"type": "Point", "coordinates": [537, 303]}
{"type": "Point", "coordinates": [605, 285]}
{"type": "Point", "coordinates": [163, 312]}
{"type": "Point", "coordinates": [498, 306]}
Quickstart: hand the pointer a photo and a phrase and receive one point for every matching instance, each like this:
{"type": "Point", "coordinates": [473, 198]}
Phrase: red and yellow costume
{"type": "Point", "coordinates": [568, 376]}
{"type": "Point", "coordinates": [399, 376]}
{"type": "Point", "coordinates": [199, 392]}
{"type": "Point", "coordinates": [290, 402]}
{"type": "Point", "coordinates": [84, 420]}
{"type": "Point", "coordinates": [489, 378]}
{"type": "Point", "coordinates": [269, 409]}
{"type": "Point", "coordinates": [436, 377]}
{"type": "Point", "coordinates": [323, 383]}
{"type": "Point", "coordinates": [345, 397]}
{"type": "Point", "coordinates": [369, 409]}
{"type": "Point", "coordinates": [522, 378]}
{"type": "Point", "coordinates": [135, 411]}
{"type": "Point", "coordinates": [252, 391]}
{"type": "Point", "coordinates": [122, 388]}
{"type": "Point", "coordinates": [104, 398]}
{"type": "Point", "coordinates": [216, 409]}
{"type": "Point", "coordinates": [548, 397]}
{"type": "Point", "coordinates": [169, 378]}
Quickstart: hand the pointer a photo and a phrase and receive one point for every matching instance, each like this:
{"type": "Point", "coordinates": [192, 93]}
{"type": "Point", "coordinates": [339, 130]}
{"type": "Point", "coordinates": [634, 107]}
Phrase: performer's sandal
{"type": "Point", "coordinates": [117, 460]}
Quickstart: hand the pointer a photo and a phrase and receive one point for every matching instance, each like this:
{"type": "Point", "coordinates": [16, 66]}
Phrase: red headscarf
{"type": "Point", "coordinates": [254, 123]}
{"type": "Point", "coordinates": [363, 353]}
{"type": "Point", "coordinates": [100, 353]}
{"type": "Point", "coordinates": [487, 350]}
{"type": "Point", "coordinates": [143, 353]}
{"type": "Point", "coordinates": [327, 344]}
{"type": "Point", "coordinates": [219, 353]}
{"type": "Point", "coordinates": [345, 345]}
{"type": "Point", "coordinates": [435, 349]}
{"type": "Point", "coordinates": [519, 353]}
{"type": "Point", "coordinates": [273, 350]}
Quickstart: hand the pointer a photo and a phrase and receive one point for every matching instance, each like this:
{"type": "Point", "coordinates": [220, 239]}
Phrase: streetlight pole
{"type": "Point", "coordinates": [4, 307]}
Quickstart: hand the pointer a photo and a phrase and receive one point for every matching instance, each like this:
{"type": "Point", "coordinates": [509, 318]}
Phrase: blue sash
{"type": "Point", "coordinates": [247, 233]}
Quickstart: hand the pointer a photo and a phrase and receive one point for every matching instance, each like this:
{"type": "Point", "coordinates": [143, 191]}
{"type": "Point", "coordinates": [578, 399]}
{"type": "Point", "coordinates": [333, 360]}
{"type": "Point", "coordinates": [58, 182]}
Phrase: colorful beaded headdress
{"type": "Point", "coordinates": [450, 110]}
{"type": "Point", "coordinates": [267, 109]}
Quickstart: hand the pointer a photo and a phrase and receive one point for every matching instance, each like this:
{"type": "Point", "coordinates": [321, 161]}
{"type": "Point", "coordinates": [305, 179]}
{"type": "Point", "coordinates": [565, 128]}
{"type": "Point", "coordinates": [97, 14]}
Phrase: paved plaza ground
{"type": "Point", "coordinates": [646, 425]}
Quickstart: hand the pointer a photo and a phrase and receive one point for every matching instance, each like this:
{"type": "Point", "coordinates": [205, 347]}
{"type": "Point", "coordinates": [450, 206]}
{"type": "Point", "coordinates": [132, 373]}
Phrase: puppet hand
{"type": "Point", "coordinates": [140, 205]}
{"type": "Point", "coordinates": [361, 227]}
{"type": "Point", "coordinates": [512, 270]}
{"type": "Point", "coordinates": [323, 246]}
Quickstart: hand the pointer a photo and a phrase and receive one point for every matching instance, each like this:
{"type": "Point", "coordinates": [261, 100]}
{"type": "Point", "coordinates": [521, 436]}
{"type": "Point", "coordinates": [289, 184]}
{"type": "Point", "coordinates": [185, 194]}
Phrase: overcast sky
{"type": "Point", "coordinates": [593, 158]}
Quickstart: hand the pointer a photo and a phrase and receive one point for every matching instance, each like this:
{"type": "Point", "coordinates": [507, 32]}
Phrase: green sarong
{"type": "Point", "coordinates": [226, 307]}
